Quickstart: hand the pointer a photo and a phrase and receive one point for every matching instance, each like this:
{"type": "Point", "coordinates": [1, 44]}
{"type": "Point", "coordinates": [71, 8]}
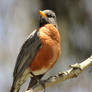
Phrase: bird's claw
{"type": "Point", "coordinates": [42, 83]}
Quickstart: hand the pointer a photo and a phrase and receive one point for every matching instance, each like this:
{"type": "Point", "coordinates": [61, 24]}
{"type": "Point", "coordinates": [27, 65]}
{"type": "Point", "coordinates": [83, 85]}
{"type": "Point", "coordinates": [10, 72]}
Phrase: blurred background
{"type": "Point", "coordinates": [18, 18]}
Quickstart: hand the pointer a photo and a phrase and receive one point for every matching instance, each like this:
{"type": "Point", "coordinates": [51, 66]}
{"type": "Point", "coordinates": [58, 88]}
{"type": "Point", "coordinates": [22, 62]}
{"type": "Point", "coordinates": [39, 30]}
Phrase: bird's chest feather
{"type": "Point", "coordinates": [48, 53]}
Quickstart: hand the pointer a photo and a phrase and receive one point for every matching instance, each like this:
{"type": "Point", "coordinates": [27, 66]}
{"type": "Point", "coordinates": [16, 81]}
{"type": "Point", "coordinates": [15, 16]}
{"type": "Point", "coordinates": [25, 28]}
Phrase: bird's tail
{"type": "Point", "coordinates": [14, 89]}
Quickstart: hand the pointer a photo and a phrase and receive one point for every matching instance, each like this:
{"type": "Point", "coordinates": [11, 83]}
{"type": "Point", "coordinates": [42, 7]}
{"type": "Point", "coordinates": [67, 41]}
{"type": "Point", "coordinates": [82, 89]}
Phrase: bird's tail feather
{"type": "Point", "coordinates": [13, 88]}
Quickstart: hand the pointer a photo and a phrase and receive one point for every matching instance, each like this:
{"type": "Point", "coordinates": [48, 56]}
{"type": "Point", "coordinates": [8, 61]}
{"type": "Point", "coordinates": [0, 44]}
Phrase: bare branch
{"type": "Point", "coordinates": [74, 71]}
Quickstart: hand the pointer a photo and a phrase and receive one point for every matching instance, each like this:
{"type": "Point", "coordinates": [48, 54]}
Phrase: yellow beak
{"type": "Point", "coordinates": [43, 14]}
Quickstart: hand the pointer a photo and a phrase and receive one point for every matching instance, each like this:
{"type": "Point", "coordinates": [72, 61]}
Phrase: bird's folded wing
{"type": "Point", "coordinates": [27, 53]}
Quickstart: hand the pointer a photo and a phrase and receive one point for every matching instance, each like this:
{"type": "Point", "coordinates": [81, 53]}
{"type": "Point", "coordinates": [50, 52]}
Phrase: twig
{"type": "Point", "coordinates": [73, 72]}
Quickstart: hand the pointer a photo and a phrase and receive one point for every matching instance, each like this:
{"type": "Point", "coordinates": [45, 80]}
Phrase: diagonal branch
{"type": "Point", "coordinates": [73, 72]}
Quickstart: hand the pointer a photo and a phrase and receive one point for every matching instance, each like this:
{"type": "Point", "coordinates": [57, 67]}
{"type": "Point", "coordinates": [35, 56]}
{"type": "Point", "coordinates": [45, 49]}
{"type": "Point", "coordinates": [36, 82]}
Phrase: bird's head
{"type": "Point", "coordinates": [47, 17]}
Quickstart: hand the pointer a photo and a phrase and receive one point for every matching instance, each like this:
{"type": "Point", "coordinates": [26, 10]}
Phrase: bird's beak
{"type": "Point", "coordinates": [43, 14]}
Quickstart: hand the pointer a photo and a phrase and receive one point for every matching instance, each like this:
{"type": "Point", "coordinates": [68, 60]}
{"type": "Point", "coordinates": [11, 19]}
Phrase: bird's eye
{"type": "Point", "coordinates": [49, 15]}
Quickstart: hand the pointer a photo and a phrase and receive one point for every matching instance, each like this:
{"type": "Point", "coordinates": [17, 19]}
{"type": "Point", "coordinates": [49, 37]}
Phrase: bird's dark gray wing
{"type": "Point", "coordinates": [27, 53]}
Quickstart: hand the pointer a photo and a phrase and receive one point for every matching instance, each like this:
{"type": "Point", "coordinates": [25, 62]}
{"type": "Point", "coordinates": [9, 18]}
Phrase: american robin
{"type": "Point", "coordinates": [39, 52]}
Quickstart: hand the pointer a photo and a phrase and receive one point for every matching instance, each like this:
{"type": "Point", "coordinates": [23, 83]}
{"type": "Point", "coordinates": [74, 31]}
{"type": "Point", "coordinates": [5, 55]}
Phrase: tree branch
{"type": "Point", "coordinates": [73, 72]}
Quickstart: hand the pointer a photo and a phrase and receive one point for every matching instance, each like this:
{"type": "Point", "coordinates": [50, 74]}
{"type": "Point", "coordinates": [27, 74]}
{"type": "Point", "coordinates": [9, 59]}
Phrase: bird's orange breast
{"type": "Point", "coordinates": [48, 54]}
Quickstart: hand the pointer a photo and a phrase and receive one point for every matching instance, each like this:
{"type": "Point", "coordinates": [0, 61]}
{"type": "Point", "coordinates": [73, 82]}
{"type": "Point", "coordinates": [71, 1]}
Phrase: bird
{"type": "Point", "coordinates": [39, 53]}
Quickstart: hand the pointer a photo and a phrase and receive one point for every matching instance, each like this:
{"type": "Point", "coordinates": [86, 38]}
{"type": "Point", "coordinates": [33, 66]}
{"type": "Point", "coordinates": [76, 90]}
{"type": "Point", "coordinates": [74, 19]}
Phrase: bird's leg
{"type": "Point", "coordinates": [42, 82]}
{"type": "Point", "coordinates": [38, 79]}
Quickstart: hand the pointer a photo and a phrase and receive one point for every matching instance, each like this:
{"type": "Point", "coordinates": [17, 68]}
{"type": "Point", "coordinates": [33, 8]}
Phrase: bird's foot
{"type": "Point", "coordinates": [42, 83]}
